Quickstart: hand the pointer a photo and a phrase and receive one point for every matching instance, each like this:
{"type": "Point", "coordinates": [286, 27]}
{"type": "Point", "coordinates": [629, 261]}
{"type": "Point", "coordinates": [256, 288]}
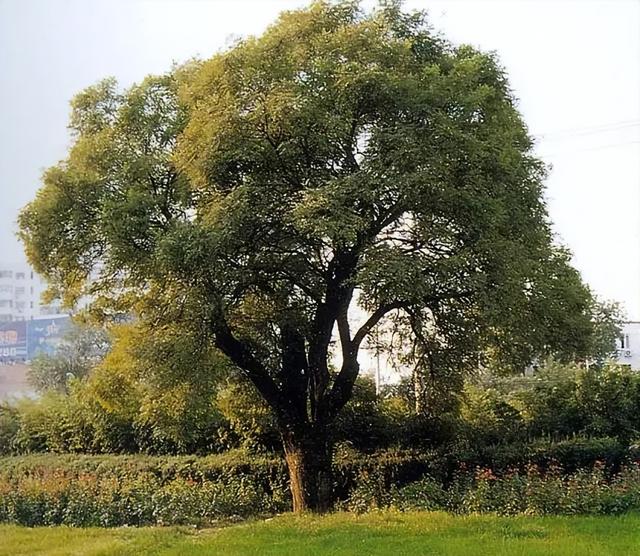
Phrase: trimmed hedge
{"type": "Point", "coordinates": [532, 492]}
{"type": "Point", "coordinates": [162, 468]}
{"type": "Point", "coordinates": [100, 490]}
{"type": "Point", "coordinates": [139, 490]}
{"type": "Point", "coordinates": [569, 454]}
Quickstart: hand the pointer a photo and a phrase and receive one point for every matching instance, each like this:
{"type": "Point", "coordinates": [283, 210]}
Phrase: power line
{"type": "Point", "coordinates": [603, 128]}
{"type": "Point", "coordinates": [601, 147]}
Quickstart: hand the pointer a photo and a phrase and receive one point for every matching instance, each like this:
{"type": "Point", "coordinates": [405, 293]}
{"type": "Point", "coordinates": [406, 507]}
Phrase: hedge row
{"type": "Point", "coordinates": [163, 469]}
{"type": "Point", "coordinates": [532, 492]}
{"type": "Point", "coordinates": [52, 498]}
{"type": "Point", "coordinates": [88, 500]}
{"type": "Point", "coordinates": [84, 490]}
{"type": "Point", "coordinates": [395, 467]}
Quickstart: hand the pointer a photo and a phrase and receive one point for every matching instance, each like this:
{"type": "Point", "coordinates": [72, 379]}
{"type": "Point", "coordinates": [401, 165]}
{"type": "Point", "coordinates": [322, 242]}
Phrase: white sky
{"type": "Point", "coordinates": [574, 65]}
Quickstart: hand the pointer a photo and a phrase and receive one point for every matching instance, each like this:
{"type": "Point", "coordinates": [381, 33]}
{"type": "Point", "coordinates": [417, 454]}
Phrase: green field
{"type": "Point", "coordinates": [376, 534]}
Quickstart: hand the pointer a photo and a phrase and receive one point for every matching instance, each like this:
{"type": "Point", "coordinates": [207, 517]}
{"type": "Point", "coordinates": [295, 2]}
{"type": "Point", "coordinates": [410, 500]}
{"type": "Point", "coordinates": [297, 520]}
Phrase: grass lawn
{"type": "Point", "coordinates": [396, 534]}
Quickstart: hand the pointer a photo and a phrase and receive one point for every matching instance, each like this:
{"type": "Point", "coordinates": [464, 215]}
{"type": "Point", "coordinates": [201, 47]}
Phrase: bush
{"type": "Point", "coordinates": [139, 490]}
{"type": "Point", "coordinates": [9, 425]}
{"type": "Point", "coordinates": [567, 455]}
{"type": "Point", "coordinates": [54, 423]}
{"type": "Point", "coordinates": [563, 401]}
{"type": "Point", "coordinates": [488, 417]}
{"type": "Point", "coordinates": [537, 493]}
{"type": "Point", "coordinates": [247, 415]}
{"type": "Point", "coordinates": [386, 468]}
{"type": "Point", "coordinates": [361, 423]}
{"type": "Point", "coordinates": [533, 492]}
{"type": "Point", "coordinates": [580, 453]}
{"type": "Point", "coordinates": [109, 491]}
{"type": "Point", "coordinates": [124, 407]}
{"type": "Point", "coordinates": [87, 420]}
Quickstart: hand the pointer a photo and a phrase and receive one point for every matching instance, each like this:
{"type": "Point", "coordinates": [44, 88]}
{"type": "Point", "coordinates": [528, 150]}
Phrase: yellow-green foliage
{"type": "Point", "coordinates": [247, 413]}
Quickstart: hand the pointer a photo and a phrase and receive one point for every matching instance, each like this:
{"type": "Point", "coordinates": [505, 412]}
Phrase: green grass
{"type": "Point", "coordinates": [389, 533]}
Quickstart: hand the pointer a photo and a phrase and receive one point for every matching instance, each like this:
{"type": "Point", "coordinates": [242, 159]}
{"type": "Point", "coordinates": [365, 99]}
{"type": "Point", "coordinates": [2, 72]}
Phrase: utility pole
{"type": "Point", "coordinates": [377, 362]}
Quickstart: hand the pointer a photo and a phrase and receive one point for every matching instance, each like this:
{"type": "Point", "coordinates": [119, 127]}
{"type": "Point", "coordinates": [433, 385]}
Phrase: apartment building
{"type": "Point", "coordinates": [628, 345]}
{"type": "Point", "coordinates": [20, 295]}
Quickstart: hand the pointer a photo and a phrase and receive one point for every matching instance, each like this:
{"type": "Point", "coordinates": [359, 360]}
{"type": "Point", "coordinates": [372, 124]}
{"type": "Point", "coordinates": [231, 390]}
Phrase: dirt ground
{"type": "Point", "coordinates": [13, 381]}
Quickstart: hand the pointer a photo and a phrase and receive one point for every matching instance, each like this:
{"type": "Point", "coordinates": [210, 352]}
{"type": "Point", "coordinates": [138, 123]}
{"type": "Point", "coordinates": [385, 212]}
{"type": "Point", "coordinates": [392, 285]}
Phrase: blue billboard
{"type": "Point", "coordinates": [13, 341]}
{"type": "Point", "coordinates": [44, 336]}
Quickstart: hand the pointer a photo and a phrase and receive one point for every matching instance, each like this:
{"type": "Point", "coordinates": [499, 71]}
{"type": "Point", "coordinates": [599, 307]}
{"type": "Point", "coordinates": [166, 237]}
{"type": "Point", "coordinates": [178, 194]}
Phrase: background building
{"type": "Point", "coordinates": [20, 295]}
{"type": "Point", "coordinates": [22, 340]}
{"type": "Point", "coordinates": [27, 325]}
{"type": "Point", "coordinates": [628, 345]}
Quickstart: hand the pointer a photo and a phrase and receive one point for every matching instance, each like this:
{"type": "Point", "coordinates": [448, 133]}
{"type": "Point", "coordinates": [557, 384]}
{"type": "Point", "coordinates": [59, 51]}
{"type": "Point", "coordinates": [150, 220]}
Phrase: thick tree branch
{"type": "Point", "coordinates": [338, 295]}
{"type": "Point", "coordinates": [343, 383]}
{"type": "Point", "coordinates": [294, 371]}
{"type": "Point", "coordinates": [240, 354]}
{"type": "Point", "coordinates": [345, 334]}
{"type": "Point", "coordinates": [373, 319]}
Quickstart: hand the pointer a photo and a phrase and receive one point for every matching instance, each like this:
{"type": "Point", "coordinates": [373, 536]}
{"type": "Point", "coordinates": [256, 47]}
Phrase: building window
{"type": "Point", "coordinates": [624, 341]}
{"type": "Point", "coordinates": [5, 318]}
{"type": "Point", "coordinates": [6, 273]}
{"type": "Point", "coordinates": [19, 290]}
{"type": "Point", "coordinates": [6, 303]}
{"type": "Point", "coordinates": [6, 289]}
{"type": "Point", "coordinates": [20, 276]}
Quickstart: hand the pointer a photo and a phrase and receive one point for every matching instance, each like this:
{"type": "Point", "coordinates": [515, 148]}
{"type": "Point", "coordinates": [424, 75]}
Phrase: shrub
{"type": "Point", "coordinates": [551, 492]}
{"type": "Point", "coordinates": [363, 423]}
{"type": "Point", "coordinates": [54, 423]}
{"type": "Point", "coordinates": [564, 401]}
{"type": "Point", "coordinates": [247, 414]}
{"type": "Point", "coordinates": [532, 492]}
{"type": "Point", "coordinates": [139, 490]}
{"type": "Point", "coordinates": [579, 453]}
{"type": "Point", "coordinates": [610, 400]}
{"type": "Point", "coordinates": [488, 418]}
{"type": "Point", "coordinates": [9, 425]}
{"type": "Point", "coordinates": [386, 467]}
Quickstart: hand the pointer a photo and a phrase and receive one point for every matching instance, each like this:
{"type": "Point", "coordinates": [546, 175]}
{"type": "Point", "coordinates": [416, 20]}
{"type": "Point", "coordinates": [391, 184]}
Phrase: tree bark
{"type": "Point", "coordinates": [308, 455]}
{"type": "Point", "coordinates": [419, 391]}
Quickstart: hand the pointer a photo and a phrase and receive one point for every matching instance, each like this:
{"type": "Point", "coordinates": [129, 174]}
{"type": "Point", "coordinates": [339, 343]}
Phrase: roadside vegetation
{"type": "Point", "coordinates": [563, 441]}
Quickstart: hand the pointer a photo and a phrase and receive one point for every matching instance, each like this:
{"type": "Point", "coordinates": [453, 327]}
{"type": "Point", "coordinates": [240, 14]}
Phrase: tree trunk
{"type": "Point", "coordinates": [419, 391]}
{"type": "Point", "coordinates": [308, 455]}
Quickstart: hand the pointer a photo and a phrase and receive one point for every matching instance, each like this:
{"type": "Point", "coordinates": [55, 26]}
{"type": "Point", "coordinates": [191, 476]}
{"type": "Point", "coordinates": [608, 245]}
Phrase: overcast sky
{"type": "Point", "coordinates": [574, 65]}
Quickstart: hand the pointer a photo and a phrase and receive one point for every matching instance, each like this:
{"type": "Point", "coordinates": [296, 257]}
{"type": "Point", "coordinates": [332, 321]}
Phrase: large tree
{"type": "Point", "coordinates": [343, 159]}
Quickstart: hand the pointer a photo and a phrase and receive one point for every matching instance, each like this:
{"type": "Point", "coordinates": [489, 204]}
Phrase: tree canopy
{"type": "Point", "coordinates": [344, 158]}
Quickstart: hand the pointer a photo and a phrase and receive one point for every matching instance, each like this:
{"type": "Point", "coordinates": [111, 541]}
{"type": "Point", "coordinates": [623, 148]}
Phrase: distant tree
{"type": "Point", "coordinates": [161, 382]}
{"type": "Point", "coordinates": [607, 318]}
{"type": "Point", "coordinates": [81, 349]}
{"type": "Point", "coordinates": [342, 158]}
